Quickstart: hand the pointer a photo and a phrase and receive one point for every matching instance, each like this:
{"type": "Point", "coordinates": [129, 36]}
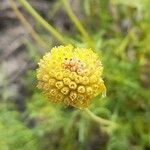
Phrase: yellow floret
{"type": "Point", "coordinates": [72, 85]}
{"type": "Point", "coordinates": [66, 81]}
{"type": "Point", "coordinates": [59, 84]}
{"type": "Point", "coordinates": [81, 89]}
{"type": "Point", "coordinates": [71, 76]}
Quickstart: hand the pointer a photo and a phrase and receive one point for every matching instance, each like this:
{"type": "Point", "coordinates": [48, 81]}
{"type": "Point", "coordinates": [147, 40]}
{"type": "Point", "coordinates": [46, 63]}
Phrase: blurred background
{"type": "Point", "coordinates": [120, 33]}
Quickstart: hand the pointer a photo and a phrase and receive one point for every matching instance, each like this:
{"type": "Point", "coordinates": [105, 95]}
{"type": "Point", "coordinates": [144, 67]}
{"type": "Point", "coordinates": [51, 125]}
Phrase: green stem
{"type": "Point", "coordinates": [99, 119]}
{"type": "Point", "coordinates": [77, 23]}
{"type": "Point", "coordinates": [42, 21]}
{"type": "Point", "coordinates": [26, 24]}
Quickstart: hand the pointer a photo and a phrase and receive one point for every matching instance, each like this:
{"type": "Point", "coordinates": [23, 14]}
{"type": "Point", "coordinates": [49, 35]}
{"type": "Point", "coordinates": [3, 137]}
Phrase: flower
{"type": "Point", "coordinates": [71, 76]}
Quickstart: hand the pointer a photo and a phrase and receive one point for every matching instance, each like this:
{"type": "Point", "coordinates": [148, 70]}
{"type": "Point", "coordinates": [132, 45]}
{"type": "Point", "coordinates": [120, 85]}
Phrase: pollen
{"type": "Point", "coordinates": [70, 76]}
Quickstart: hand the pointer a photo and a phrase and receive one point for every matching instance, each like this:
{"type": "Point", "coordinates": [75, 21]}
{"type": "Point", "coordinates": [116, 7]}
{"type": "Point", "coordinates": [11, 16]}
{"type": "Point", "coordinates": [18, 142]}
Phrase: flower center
{"type": "Point", "coordinates": [74, 65]}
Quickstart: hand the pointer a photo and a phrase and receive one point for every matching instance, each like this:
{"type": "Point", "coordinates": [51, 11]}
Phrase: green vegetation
{"type": "Point", "coordinates": [119, 30]}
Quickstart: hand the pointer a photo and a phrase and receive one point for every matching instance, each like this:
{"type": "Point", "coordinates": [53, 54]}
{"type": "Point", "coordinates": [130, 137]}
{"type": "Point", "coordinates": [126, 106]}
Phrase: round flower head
{"type": "Point", "coordinates": [71, 76]}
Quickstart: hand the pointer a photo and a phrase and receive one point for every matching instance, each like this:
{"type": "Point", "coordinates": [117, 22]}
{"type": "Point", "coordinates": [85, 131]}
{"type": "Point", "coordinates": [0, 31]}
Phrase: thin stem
{"type": "Point", "coordinates": [42, 21]}
{"type": "Point", "coordinates": [26, 24]}
{"type": "Point", "coordinates": [99, 119]}
{"type": "Point", "coordinates": [77, 23]}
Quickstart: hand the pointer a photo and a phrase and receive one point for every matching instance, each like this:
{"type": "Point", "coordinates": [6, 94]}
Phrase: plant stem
{"type": "Point", "coordinates": [77, 23]}
{"type": "Point", "coordinates": [26, 24]}
{"type": "Point", "coordinates": [99, 119]}
{"type": "Point", "coordinates": [42, 21]}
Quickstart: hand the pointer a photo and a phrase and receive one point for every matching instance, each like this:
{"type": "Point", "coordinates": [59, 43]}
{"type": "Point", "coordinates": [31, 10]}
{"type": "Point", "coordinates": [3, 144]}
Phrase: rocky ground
{"type": "Point", "coordinates": [14, 59]}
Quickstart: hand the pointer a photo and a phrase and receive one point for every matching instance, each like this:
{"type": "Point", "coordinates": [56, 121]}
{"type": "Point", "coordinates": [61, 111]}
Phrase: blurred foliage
{"type": "Point", "coordinates": [121, 33]}
{"type": "Point", "coordinates": [13, 133]}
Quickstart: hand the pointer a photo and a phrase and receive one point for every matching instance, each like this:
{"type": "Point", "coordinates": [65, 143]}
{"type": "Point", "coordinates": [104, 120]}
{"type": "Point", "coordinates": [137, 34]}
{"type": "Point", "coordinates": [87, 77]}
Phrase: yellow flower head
{"type": "Point", "coordinates": [70, 75]}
